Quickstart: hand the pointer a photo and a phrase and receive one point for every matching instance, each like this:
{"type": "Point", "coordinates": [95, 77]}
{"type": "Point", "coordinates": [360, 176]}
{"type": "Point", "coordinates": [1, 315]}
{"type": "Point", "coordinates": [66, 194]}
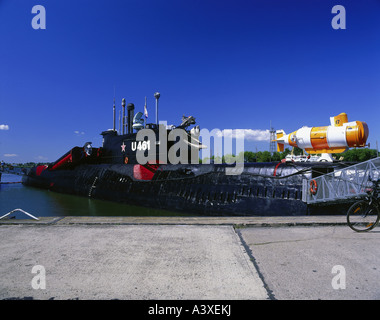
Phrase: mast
{"type": "Point", "coordinates": [119, 121]}
{"type": "Point", "coordinates": [114, 115]}
{"type": "Point", "coordinates": [145, 113]}
{"type": "Point", "coordinates": [114, 109]}
{"type": "Point", "coordinates": [123, 105]}
{"type": "Point", "coordinates": [157, 96]}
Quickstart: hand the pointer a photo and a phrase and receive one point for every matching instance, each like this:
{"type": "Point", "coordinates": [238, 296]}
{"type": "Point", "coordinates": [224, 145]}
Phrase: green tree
{"type": "Point", "coordinates": [249, 156]}
{"type": "Point", "coordinates": [358, 155]}
{"type": "Point", "coordinates": [276, 156]}
{"type": "Point", "coordinates": [264, 156]}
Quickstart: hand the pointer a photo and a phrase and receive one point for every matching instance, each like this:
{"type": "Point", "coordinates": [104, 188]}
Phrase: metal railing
{"type": "Point", "coordinates": [27, 213]}
{"type": "Point", "coordinates": [342, 184]}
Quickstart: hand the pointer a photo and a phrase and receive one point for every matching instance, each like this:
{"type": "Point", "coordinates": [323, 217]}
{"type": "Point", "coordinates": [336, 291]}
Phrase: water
{"type": "Point", "coordinates": [44, 203]}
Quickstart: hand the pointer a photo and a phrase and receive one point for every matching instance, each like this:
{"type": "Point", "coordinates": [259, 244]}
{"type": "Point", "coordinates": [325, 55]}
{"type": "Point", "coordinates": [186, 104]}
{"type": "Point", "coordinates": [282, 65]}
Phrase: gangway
{"type": "Point", "coordinates": [342, 184]}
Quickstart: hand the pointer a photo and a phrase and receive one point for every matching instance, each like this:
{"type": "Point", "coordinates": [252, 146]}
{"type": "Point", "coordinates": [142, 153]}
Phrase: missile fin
{"type": "Point", "coordinates": [280, 141]}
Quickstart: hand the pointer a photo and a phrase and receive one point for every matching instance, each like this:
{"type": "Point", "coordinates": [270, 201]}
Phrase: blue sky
{"type": "Point", "coordinates": [231, 64]}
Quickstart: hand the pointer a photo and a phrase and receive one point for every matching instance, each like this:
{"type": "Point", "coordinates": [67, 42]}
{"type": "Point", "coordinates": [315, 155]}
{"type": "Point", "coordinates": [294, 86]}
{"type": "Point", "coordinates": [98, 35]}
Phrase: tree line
{"type": "Point", "coordinates": [352, 155]}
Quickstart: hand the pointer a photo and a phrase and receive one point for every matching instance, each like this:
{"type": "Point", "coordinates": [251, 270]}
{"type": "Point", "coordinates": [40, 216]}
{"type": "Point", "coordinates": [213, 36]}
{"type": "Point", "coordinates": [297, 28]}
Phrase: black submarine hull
{"type": "Point", "coordinates": [261, 189]}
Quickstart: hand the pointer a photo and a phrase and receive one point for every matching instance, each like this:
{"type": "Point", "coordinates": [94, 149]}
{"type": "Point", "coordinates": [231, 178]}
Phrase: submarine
{"type": "Point", "coordinates": [144, 165]}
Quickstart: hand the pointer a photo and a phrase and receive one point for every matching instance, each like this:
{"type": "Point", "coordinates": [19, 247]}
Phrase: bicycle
{"type": "Point", "coordinates": [364, 215]}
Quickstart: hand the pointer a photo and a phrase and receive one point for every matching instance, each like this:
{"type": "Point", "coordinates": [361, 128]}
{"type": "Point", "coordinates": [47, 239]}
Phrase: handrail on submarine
{"type": "Point", "coordinates": [342, 184]}
{"type": "Point", "coordinates": [27, 213]}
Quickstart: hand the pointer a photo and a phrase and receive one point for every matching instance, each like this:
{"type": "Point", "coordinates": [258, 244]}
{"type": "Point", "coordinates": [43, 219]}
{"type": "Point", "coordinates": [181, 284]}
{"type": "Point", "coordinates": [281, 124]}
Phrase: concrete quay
{"type": "Point", "coordinates": [196, 220]}
{"type": "Point", "coordinates": [188, 258]}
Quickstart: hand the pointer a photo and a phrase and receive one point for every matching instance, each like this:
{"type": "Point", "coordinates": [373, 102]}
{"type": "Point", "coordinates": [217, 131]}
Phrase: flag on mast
{"type": "Point", "coordinates": [145, 110]}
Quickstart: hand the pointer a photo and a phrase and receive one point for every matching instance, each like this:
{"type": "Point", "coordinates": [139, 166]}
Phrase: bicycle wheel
{"type": "Point", "coordinates": [362, 217]}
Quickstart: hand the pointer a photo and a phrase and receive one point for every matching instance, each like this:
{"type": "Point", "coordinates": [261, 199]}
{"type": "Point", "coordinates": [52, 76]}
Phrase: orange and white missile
{"type": "Point", "coordinates": [335, 138]}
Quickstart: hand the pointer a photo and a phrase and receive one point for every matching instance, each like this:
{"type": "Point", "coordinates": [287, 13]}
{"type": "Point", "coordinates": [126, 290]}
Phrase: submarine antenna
{"type": "Point", "coordinates": [145, 113]}
{"type": "Point", "coordinates": [157, 96]}
{"type": "Point", "coordinates": [123, 105]}
{"type": "Point", "coordinates": [114, 110]}
{"type": "Point", "coordinates": [119, 121]}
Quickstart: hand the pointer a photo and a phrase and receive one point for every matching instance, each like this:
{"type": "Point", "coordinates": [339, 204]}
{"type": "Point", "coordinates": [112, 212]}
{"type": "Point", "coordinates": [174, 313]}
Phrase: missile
{"type": "Point", "coordinates": [335, 138]}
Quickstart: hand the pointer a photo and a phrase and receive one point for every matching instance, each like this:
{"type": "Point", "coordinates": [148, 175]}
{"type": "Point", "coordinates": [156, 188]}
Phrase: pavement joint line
{"type": "Point", "coordinates": [252, 259]}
